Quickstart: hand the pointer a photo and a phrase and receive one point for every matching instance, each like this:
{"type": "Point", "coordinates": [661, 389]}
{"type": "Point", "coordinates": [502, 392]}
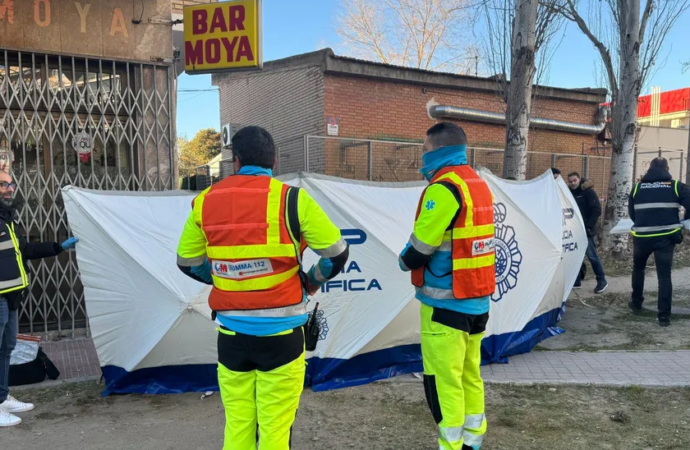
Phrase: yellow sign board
{"type": "Point", "coordinates": [222, 36]}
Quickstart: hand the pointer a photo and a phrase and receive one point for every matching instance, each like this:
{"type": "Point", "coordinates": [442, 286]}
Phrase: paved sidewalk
{"type": "Point", "coordinates": [606, 368]}
{"type": "Point", "coordinates": [74, 358]}
{"type": "Point", "coordinates": [77, 359]}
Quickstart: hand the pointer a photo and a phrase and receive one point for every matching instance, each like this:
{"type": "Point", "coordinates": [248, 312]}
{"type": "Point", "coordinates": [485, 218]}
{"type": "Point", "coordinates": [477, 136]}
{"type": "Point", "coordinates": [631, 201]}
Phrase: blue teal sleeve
{"type": "Point", "coordinates": [401, 258]}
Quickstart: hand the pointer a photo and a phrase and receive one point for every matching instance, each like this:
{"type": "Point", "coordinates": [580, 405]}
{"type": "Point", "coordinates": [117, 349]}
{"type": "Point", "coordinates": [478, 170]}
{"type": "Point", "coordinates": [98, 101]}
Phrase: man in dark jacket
{"type": "Point", "coordinates": [590, 209]}
{"type": "Point", "coordinates": [654, 209]}
{"type": "Point", "coordinates": [15, 250]}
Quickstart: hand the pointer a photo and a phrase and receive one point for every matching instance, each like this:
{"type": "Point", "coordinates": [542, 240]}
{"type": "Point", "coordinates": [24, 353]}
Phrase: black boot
{"type": "Point", "coordinates": [635, 310]}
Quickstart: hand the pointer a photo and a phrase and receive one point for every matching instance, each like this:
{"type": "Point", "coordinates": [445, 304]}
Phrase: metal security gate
{"type": "Point", "coordinates": [119, 116]}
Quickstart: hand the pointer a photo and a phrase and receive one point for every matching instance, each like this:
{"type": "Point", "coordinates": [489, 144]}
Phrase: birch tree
{"type": "Point", "coordinates": [628, 56]}
{"type": "Point", "coordinates": [519, 33]}
{"type": "Point", "coordinates": [424, 34]}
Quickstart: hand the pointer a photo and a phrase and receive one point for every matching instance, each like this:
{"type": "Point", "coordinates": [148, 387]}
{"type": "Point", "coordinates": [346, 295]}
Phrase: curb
{"type": "Point", "coordinates": [54, 383]}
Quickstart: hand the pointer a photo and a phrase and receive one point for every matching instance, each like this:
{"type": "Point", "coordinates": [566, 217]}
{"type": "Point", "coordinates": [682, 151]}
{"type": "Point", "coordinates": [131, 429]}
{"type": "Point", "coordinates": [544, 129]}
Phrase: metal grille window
{"type": "Point", "coordinates": [124, 113]}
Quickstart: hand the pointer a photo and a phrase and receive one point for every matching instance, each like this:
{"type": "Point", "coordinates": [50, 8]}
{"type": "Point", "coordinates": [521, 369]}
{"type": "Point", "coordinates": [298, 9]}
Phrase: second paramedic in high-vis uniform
{"type": "Point", "coordinates": [451, 255]}
{"type": "Point", "coordinates": [246, 235]}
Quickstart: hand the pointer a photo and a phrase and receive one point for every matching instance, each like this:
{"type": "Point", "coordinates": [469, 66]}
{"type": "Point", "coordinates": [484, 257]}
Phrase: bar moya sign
{"type": "Point", "coordinates": [223, 36]}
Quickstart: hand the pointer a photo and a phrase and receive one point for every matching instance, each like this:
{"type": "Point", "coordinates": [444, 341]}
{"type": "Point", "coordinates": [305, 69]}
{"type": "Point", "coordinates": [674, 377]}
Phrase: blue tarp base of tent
{"type": "Point", "coordinates": [329, 373]}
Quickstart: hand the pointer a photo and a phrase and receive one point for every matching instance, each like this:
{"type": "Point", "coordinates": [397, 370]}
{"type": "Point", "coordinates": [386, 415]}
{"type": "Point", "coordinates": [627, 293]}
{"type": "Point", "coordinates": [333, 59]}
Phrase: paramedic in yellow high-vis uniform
{"type": "Point", "coordinates": [245, 235]}
{"type": "Point", "coordinates": [451, 255]}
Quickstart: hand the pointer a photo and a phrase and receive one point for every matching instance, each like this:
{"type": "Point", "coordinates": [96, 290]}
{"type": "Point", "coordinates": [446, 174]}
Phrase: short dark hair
{"type": "Point", "coordinates": [574, 174]}
{"type": "Point", "coordinates": [254, 146]}
{"type": "Point", "coordinates": [659, 163]}
{"type": "Point", "coordinates": [555, 171]}
{"type": "Point", "coordinates": [445, 134]}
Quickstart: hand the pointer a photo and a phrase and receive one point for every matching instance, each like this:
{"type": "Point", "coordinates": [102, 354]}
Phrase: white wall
{"type": "Point", "coordinates": [671, 141]}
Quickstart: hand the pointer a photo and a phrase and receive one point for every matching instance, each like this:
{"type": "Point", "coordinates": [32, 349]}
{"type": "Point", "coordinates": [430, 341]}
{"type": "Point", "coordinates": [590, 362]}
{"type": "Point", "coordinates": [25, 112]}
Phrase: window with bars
{"type": "Point", "coordinates": [125, 109]}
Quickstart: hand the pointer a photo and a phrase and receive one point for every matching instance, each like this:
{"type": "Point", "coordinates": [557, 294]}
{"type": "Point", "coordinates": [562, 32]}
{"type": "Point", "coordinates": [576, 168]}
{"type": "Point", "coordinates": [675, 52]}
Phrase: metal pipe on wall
{"type": "Point", "coordinates": [455, 112]}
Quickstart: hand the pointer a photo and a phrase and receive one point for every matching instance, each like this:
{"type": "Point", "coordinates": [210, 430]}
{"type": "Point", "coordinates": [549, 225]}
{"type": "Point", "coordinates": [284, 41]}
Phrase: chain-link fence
{"type": "Point", "coordinates": [203, 176]}
{"type": "Point", "coordinates": [380, 160]}
{"type": "Point", "coordinates": [384, 160]}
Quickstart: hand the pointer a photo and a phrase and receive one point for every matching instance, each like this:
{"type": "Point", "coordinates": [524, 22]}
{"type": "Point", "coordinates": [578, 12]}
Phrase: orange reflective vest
{"type": "Point", "coordinates": [472, 234]}
{"type": "Point", "coordinates": [255, 257]}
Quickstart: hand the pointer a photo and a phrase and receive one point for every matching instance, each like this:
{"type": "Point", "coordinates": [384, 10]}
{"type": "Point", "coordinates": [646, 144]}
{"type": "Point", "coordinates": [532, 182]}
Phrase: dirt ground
{"type": "Point", "coordinates": [381, 416]}
{"type": "Point", "coordinates": [604, 322]}
{"type": "Point", "coordinates": [622, 266]}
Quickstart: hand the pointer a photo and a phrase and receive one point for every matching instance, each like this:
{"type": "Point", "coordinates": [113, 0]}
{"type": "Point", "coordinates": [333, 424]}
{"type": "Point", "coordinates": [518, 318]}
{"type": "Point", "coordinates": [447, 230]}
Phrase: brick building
{"type": "Point", "coordinates": [358, 119]}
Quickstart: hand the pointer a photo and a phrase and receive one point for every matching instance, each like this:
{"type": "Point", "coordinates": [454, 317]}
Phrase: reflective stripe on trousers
{"type": "Point", "coordinates": [473, 440]}
{"type": "Point", "coordinates": [454, 389]}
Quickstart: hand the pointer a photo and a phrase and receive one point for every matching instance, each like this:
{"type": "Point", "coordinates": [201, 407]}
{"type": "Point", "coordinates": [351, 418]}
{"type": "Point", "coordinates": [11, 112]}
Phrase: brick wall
{"type": "Point", "coordinates": [289, 103]}
{"type": "Point", "coordinates": [377, 109]}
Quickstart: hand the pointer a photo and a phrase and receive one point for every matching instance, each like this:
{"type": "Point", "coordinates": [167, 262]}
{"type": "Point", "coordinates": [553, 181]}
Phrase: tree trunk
{"type": "Point", "coordinates": [623, 126]}
{"type": "Point", "coordinates": [519, 95]}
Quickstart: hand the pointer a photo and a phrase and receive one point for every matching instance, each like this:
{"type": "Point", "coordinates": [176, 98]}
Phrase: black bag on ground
{"type": "Point", "coordinates": [33, 372]}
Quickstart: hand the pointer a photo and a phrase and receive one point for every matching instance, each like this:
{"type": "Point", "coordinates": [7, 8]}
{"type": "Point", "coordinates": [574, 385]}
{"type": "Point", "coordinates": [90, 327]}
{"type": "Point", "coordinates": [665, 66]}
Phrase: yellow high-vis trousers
{"type": "Point", "coordinates": [451, 350]}
{"type": "Point", "coordinates": [261, 380]}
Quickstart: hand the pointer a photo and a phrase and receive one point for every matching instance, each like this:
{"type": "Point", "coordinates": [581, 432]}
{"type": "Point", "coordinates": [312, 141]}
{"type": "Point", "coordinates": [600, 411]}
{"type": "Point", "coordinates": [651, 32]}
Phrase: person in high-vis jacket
{"type": "Point", "coordinates": [245, 236]}
{"type": "Point", "coordinates": [15, 250]}
{"type": "Point", "coordinates": [451, 254]}
{"type": "Point", "coordinates": [654, 209]}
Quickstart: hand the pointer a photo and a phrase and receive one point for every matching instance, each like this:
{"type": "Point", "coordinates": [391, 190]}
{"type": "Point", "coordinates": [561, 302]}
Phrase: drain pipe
{"type": "Point", "coordinates": [475, 115]}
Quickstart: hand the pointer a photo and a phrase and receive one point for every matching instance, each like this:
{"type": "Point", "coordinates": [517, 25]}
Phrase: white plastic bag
{"type": "Point", "coordinates": [624, 226]}
{"type": "Point", "coordinates": [26, 349]}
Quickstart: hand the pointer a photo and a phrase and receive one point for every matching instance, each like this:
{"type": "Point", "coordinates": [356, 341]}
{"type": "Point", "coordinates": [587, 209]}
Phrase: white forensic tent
{"type": "Point", "coordinates": [153, 330]}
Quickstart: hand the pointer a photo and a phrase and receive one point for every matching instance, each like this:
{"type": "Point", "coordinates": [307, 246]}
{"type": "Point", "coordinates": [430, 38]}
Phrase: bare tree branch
{"type": "Point", "coordinates": [645, 18]}
{"type": "Point", "coordinates": [662, 17]}
{"type": "Point", "coordinates": [425, 34]}
{"type": "Point", "coordinates": [570, 12]}
{"type": "Point", "coordinates": [498, 18]}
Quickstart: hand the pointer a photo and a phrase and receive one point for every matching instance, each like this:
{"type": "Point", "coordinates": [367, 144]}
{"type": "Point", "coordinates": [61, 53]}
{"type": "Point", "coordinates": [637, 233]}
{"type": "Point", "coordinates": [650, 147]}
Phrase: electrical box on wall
{"type": "Point", "coordinates": [227, 132]}
{"type": "Point", "coordinates": [226, 135]}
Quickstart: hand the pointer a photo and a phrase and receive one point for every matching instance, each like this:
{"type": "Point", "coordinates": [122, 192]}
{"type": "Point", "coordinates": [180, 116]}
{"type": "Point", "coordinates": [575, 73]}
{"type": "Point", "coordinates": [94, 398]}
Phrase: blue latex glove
{"type": "Point", "coordinates": [203, 271]}
{"type": "Point", "coordinates": [70, 243]}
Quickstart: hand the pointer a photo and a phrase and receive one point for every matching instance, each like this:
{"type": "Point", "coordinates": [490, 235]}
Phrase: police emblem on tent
{"type": "Point", "coordinates": [323, 323]}
{"type": "Point", "coordinates": [508, 255]}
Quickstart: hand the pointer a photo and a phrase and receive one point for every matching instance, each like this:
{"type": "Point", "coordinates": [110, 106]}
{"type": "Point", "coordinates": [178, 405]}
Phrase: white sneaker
{"type": "Point", "coordinates": [12, 405]}
{"type": "Point", "coordinates": [8, 420]}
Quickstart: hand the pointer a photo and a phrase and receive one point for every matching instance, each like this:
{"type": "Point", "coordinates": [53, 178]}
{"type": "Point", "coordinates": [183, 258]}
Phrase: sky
{"type": "Point", "coordinates": [301, 26]}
